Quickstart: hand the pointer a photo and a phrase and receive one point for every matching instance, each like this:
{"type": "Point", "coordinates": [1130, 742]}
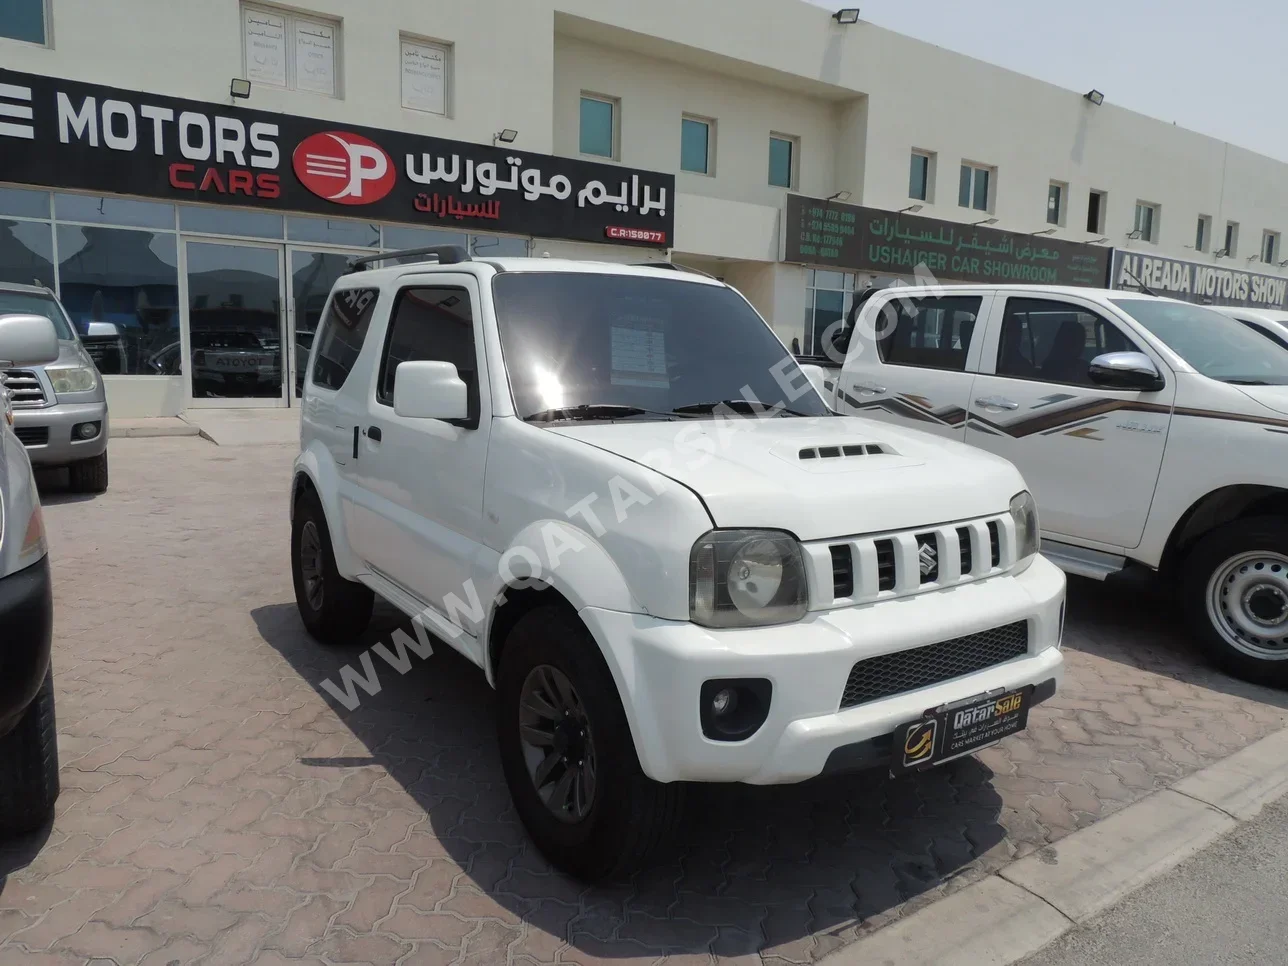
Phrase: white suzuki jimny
{"type": "Point", "coordinates": [613, 489]}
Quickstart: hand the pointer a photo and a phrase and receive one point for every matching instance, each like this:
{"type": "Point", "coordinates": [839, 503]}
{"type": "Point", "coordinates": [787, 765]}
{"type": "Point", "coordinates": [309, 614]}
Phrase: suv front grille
{"type": "Point", "coordinates": [24, 389]}
{"type": "Point", "coordinates": [32, 435]}
{"type": "Point", "coordinates": [919, 667]}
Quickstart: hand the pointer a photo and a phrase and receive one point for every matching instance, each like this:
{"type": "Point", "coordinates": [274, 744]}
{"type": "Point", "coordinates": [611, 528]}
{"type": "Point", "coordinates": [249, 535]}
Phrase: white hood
{"type": "Point", "coordinates": [1272, 397]}
{"type": "Point", "coordinates": [750, 472]}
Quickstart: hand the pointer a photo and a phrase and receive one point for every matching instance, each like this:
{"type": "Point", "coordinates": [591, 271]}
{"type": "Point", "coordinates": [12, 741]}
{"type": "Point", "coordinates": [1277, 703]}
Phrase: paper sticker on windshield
{"type": "Point", "coordinates": [639, 356]}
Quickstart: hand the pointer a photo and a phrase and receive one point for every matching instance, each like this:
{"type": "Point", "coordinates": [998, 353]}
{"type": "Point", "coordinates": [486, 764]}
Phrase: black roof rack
{"type": "Point", "coordinates": [674, 268]}
{"type": "Point", "coordinates": [445, 254]}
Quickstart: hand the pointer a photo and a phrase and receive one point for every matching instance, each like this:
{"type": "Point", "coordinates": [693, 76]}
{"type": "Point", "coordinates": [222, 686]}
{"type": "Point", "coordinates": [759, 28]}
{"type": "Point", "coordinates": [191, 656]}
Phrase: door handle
{"type": "Point", "coordinates": [996, 402]}
{"type": "Point", "coordinates": [870, 390]}
{"type": "Point", "coordinates": [374, 434]}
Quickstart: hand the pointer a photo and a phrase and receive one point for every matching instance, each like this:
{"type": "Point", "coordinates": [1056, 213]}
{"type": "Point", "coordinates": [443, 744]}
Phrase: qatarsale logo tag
{"type": "Point", "coordinates": [345, 168]}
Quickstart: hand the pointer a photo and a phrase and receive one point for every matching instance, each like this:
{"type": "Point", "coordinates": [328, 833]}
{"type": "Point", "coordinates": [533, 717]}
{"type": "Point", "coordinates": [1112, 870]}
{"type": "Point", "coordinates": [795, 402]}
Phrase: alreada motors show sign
{"type": "Point", "coordinates": [1196, 282]}
{"type": "Point", "coordinates": [71, 135]}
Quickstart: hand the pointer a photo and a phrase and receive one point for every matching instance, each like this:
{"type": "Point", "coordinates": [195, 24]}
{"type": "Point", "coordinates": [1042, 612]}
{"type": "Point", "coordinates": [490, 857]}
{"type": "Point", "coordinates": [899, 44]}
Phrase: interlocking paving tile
{"type": "Point", "coordinates": [216, 807]}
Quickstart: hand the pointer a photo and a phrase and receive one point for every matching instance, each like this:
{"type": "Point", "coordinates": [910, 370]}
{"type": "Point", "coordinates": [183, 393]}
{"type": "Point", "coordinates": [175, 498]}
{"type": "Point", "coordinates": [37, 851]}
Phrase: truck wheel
{"type": "Point", "coordinates": [568, 756]}
{"type": "Point", "coordinates": [29, 766]}
{"type": "Point", "coordinates": [1235, 589]}
{"type": "Point", "coordinates": [90, 476]}
{"type": "Point", "coordinates": [334, 610]}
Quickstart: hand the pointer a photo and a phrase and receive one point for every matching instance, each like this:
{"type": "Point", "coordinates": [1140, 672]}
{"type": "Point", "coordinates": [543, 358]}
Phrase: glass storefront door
{"type": "Point", "coordinates": [313, 272]}
{"type": "Point", "coordinates": [236, 324]}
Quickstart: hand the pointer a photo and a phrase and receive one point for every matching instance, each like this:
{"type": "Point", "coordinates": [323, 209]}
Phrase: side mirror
{"type": "Point", "coordinates": [1126, 370]}
{"type": "Point", "coordinates": [102, 330]}
{"type": "Point", "coordinates": [27, 340]}
{"type": "Point", "coordinates": [429, 390]}
{"type": "Point", "coordinates": [817, 378]}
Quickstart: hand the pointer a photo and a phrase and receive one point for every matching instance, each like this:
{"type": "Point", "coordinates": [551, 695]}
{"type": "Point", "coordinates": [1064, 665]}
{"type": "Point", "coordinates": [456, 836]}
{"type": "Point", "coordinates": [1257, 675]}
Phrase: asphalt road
{"type": "Point", "coordinates": [1225, 905]}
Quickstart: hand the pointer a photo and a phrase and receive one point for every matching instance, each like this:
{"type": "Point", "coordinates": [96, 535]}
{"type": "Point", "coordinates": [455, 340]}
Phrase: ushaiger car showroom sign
{"type": "Point", "coordinates": [67, 134]}
{"type": "Point", "coordinates": [1196, 282]}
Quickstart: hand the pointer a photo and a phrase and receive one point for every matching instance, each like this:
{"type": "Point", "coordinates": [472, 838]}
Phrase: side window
{"type": "Point", "coordinates": [344, 329]}
{"type": "Point", "coordinates": [435, 324]}
{"type": "Point", "coordinates": [1054, 341]}
{"type": "Point", "coordinates": [932, 333]}
{"type": "Point", "coordinates": [1264, 330]}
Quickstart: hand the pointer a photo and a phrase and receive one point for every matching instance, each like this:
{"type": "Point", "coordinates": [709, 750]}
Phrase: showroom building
{"type": "Point", "coordinates": [201, 180]}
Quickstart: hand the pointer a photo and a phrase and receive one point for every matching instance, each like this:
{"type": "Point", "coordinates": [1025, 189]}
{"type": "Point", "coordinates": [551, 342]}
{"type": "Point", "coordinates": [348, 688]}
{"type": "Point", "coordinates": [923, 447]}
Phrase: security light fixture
{"type": "Point", "coordinates": [240, 87]}
{"type": "Point", "coordinates": [1223, 253]}
{"type": "Point", "coordinates": [1098, 241]}
{"type": "Point", "coordinates": [1131, 235]}
{"type": "Point", "coordinates": [1045, 231]}
{"type": "Point", "coordinates": [986, 221]}
{"type": "Point", "coordinates": [1095, 97]}
{"type": "Point", "coordinates": [913, 208]}
{"type": "Point", "coordinates": [1284, 263]}
{"type": "Point", "coordinates": [506, 136]}
{"type": "Point", "coordinates": [841, 195]}
{"type": "Point", "coordinates": [846, 15]}
{"type": "Point", "coordinates": [1252, 258]}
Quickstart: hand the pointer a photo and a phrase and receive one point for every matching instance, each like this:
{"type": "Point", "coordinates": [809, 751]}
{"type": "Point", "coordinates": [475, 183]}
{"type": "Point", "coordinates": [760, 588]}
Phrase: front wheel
{"type": "Point", "coordinates": [568, 756]}
{"type": "Point", "coordinates": [29, 766]}
{"type": "Point", "coordinates": [1235, 586]}
{"type": "Point", "coordinates": [90, 476]}
{"type": "Point", "coordinates": [334, 610]}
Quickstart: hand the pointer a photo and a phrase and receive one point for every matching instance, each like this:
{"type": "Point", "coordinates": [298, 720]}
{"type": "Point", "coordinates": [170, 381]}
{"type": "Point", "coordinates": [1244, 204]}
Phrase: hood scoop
{"type": "Point", "coordinates": [844, 451]}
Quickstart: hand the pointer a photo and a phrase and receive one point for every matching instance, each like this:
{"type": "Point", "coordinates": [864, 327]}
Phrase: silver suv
{"type": "Point", "coordinates": [60, 409]}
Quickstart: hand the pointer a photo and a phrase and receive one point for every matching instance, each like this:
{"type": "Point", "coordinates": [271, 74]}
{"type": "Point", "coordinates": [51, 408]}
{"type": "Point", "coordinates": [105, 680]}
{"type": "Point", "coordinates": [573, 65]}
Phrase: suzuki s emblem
{"type": "Point", "coordinates": [928, 556]}
{"type": "Point", "coordinates": [345, 168]}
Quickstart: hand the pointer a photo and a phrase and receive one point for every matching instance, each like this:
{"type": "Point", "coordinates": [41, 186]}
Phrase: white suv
{"type": "Point", "coordinates": [612, 489]}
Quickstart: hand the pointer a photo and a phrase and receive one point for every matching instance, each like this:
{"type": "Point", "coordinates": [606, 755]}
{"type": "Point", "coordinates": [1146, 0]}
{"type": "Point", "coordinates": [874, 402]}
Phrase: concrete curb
{"type": "Point", "coordinates": [150, 428]}
{"type": "Point", "coordinates": [1033, 901]}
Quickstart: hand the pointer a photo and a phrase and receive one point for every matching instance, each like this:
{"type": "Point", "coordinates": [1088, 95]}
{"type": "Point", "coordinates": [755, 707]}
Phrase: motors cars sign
{"type": "Point", "coordinates": [1196, 282]}
{"type": "Point", "coordinates": [71, 135]}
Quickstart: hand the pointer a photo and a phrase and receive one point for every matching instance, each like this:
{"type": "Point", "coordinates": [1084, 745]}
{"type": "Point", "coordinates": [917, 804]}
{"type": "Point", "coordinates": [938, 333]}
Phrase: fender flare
{"type": "Point", "coordinates": [316, 465]}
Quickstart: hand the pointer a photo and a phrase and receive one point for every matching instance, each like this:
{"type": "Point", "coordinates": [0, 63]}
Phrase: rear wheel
{"type": "Point", "coordinates": [1235, 587]}
{"type": "Point", "coordinates": [568, 756]}
{"type": "Point", "coordinates": [90, 476]}
{"type": "Point", "coordinates": [334, 610]}
{"type": "Point", "coordinates": [29, 766]}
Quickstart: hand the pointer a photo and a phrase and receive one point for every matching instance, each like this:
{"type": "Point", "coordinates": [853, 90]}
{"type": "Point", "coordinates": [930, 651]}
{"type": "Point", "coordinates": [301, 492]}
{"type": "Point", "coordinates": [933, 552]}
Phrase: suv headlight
{"type": "Point", "coordinates": [747, 578]}
{"type": "Point", "coordinates": [71, 379]}
{"type": "Point", "coordinates": [1024, 511]}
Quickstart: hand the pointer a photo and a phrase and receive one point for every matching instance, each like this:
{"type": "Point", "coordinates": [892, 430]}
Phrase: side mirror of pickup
{"type": "Point", "coordinates": [429, 390]}
{"type": "Point", "coordinates": [1126, 370]}
{"type": "Point", "coordinates": [27, 340]}
{"type": "Point", "coordinates": [817, 378]}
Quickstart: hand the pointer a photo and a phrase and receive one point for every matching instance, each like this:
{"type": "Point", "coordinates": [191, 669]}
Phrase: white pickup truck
{"type": "Point", "coordinates": [1151, 432]}
{"type": "Point", "coordinates": [613, 489]}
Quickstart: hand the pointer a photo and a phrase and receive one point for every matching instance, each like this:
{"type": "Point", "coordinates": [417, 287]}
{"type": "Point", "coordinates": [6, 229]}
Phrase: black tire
{"type": "Point", "coordinates": [1212, 554]}
{"type": "Point", "coordinates": [90, 476]}
{"type": "Point", "coordinates": [342, 611]}
{"type": "Point", "coordinates": [29, 766]}
{"type": "Point", "coordinates": [630, 815]}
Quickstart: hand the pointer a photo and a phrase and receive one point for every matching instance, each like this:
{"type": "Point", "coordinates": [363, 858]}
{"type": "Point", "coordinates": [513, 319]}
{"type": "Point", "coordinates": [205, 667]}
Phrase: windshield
{"type": "Point", "coordinates": [1214, 344]}
{"type": "Point", "coordinates": [652, 344]}
{"type": "Point", "coordinates": [28, 303]}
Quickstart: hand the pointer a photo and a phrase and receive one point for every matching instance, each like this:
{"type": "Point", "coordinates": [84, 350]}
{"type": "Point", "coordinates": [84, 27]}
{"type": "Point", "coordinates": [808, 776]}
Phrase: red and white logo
{"type": "Point", "coordinates": [345, 168]}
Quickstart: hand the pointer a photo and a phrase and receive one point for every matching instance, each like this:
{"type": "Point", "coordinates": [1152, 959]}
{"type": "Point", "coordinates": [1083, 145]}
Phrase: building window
{"type": "Point", "coordinates": [1097, 202]}
{"type": "Point", "coordinates": [1203, 233]}
{"type": "Point", "coordinates": [288, 50]}
{"type": "Point", "coordinates": [599, 125]}
{"type": "Point", "coordinates": [24, 20]}
{"type": "Point", "coordinates": [1056, 193]}
{"type": "Point", "coordinates": [695, 145]}
{"type": "Point", "coordinates": [921, 176]}
{"type": "Point", "coordinates": [426, 76]}
{"type": "Point", "coordinates": [976, 187]}
{"type": "Point", "coordinates": [1270, 247]}
{"type": "Point", "coordinates": [1147, 221]}
{"type": "Point", "coordinates": [828, 297]}
{"type": "Point", "coordinates": [1231, 238]}
{"type": "Point", "coordinates": [782, 160]}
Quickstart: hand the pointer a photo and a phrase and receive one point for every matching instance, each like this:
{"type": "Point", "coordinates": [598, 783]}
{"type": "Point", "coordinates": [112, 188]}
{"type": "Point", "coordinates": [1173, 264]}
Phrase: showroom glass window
{"type": "Point", "coordinates": [24, 20]}
{"type": "Point", "coordinates": [828, 296]}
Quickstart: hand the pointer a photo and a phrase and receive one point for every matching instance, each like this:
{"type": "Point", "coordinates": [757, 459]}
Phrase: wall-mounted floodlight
{"type": "Point", "coordinates": [846, 15]}
{"type": "Point", "coordinates": [986, 221]}
{"type": "Point", "coordinates": [1045, 231]}
{"type": "Point", "coordinates": [240, 87]}
{"type": "Point", "coordinates": [506, 136]}
{"type": "Point", "coordinates": [1095, 97]}
{"type": "Point", "coordinates": [912, 208]}
{"type": "Point", "coordinates": [841, 195]}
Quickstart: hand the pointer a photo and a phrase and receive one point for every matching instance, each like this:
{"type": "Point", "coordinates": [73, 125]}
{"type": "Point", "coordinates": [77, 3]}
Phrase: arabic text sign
{"type": "Point", "coordinates": [1195, 282]}
{"type": "Point", "coordinates": [869, 239]}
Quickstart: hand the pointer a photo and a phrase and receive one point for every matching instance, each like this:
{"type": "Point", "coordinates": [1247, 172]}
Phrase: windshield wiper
{"type": "Point", "coordinates": [592, 411]}
{"type": "Point", "coordinates": [1248, 382]}
{"type": "Point", "coordinates": [737, 405]}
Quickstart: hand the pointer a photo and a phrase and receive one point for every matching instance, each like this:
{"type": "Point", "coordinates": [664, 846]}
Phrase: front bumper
{"type": "Point", "coordinates": [27, 617]}
{"type": "Point", "coordinates": [54, 425]}
{"type": "Point", "coordinates": [660, 666]}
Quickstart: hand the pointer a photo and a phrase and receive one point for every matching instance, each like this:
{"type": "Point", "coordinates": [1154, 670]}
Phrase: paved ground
{"type": "Point", "coordinates": [218, 809]}
{"type": "Point", "coordinates": [1226, 905]}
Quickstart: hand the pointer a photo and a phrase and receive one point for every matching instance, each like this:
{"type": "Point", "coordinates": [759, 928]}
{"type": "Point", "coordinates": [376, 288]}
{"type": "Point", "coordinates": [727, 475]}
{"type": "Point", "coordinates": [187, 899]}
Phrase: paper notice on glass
{"type": "Point", "coordinates": [315, 58]}
{"type": "Point", "coordinates": [265, 48]}
{"type": "Point", "coordinates": [639, 355]}
{"type": "Point", "coordinates": [424, 77]}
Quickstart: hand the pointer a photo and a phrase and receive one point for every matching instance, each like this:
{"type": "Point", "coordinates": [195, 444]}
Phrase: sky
{"type": "Point", "coordinates": [1217, 68]}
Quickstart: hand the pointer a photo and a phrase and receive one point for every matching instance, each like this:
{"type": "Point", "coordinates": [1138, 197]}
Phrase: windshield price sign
{"type": "Point", "coordinates": [819, 232]}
